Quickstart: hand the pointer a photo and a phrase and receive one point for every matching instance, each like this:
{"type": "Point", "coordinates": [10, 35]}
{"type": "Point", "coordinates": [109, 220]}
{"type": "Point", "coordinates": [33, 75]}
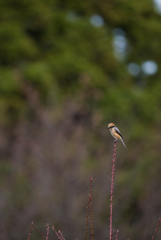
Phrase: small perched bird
{"type": "Point", "coordinates": [116, 133]}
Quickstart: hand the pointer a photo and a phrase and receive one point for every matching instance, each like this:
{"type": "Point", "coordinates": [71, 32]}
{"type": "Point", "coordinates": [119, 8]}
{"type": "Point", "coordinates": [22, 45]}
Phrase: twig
{"type": "Point", "coordinates": [87, 217]}
{"type": "Point", "coordinates": [62, 237]}
{"type": "Point", "coordinates": [39, 232]}
{"type": "Point", "coordinates": [116, 236]}
{"type": "Point", "coordinates": [113, 232]}
{"type": "Point", "coordinates": [31, 228]}
{"type": "Point", "coordinates": [112, 183]}
{"type": "Point", "coordinates": [156, 229]}
{"type": "Point", "coordinates": [91, 209]}
{"type": "Point", "coordinates": [59, 237]}
{"type": "Point", "coordinates": [47, 234]}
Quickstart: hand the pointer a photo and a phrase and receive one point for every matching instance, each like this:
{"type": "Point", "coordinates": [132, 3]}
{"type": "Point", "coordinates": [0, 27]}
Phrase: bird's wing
{"type": "Point", "coordinates": [118, 132]}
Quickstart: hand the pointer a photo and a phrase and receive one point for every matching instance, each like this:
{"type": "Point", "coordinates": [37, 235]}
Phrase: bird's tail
{"type": "Point", "coordinates": [123, 143]}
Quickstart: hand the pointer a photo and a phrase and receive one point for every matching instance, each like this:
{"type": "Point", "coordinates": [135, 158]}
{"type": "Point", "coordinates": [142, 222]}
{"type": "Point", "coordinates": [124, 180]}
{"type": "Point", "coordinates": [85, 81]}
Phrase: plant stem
{"type": "Point", "coordinates": [112, 183]}
{"type": "Point", "coordinates": [156, 229]}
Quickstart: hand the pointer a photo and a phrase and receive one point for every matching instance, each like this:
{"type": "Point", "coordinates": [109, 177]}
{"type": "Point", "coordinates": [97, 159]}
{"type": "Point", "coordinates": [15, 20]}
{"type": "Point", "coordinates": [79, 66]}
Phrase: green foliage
{"type": "Point", "coordinates": [61, 83]}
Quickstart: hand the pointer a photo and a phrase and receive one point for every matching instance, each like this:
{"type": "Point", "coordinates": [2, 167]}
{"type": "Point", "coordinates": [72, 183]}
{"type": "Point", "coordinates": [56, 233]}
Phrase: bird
{"type": "Point", "coordinates": [116, 133]}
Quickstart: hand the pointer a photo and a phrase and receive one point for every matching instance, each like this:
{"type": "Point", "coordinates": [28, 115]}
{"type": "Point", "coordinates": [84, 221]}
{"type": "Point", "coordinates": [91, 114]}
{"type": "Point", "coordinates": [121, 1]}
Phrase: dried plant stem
{"type": "Point", "coordinates": [112, 183]}
{"type": "Point", "coordinates": [47, 234]}
{"type": "Point", "coordinates": [57, 234]}
{"type": "Point", "coordinates": [31, 228]}
{"type": "Point", "coordinates": [62, 237]}
{"type": "Point", "coordinates": [91, 209]}
{"type": "Point", "coordinates": [116, 236]}
{"type": "Point", "coordinates": [39, 232]}
{"type": "Point", "coordinates": [156, 229]}
{"type": "Point", "coordinates": [87, 217]}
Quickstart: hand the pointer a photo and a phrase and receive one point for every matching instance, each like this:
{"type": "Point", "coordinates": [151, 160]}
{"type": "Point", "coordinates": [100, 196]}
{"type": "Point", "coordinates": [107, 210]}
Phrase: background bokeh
{"type": "Point", "coordinates": [67, 69]}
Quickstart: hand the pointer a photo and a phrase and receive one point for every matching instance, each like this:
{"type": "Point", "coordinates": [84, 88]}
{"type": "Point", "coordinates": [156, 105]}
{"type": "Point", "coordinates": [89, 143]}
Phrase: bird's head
{"type": "Point", "coordinates": [111, 125]}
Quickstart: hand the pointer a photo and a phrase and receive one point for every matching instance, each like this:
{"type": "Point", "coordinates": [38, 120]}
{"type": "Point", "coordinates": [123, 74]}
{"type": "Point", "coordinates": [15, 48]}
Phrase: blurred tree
{"type": "Point", "coordinates": [67, 69]}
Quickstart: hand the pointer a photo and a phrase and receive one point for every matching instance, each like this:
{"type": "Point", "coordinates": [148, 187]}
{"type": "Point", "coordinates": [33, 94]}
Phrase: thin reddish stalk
{"type": "Point", "coordinates": [31, 228]}
{"type": "Point", "coordinates": [89, 199]}
{"type": "Point", "coordinates": [59, 237]}
{"type": "Point", "coordinates": [112, 183]}
{"type": "Point", "coordinates": [87, 215]}
{"type": "Point", "coordinates": [91, 209]}
{"type": "Point", "coordinates": [156, 229]}
{"type": "Point", "coordinates": [62, 237]}
{"type": "Point", "coordinates": [116, 236]}
{"type": "Point", "coordinates": [47, 234]}
{"type": "Point", "coordinates": [39, 232]}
